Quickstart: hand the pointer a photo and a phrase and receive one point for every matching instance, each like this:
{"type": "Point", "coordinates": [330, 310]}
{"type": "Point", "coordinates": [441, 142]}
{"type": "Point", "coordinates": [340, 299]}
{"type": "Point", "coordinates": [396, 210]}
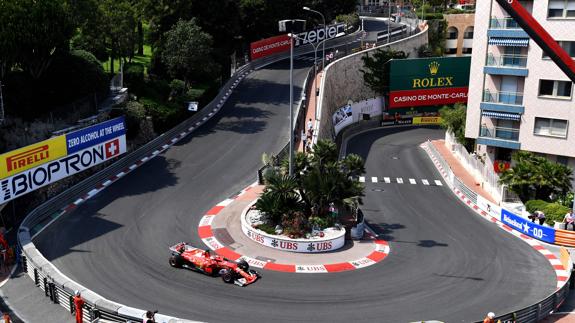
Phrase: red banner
{"type": "Point", "coordinates": [269, 46]}
{"type": "Point", "coordinates": [499, 166]}
{"type": "Point", "coordinates": [438, 96]}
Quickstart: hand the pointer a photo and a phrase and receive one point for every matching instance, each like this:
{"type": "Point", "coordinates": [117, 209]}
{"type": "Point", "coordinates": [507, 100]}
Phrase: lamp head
{"type": "Point", "coordinates": [306, 8]}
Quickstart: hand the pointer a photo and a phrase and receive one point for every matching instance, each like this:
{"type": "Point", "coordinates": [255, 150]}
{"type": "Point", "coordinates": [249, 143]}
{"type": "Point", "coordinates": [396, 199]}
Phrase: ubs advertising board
{"type": "Point", "coordinates": [428, 81]}
{"type": "Point", "coordinates": [26, 169]}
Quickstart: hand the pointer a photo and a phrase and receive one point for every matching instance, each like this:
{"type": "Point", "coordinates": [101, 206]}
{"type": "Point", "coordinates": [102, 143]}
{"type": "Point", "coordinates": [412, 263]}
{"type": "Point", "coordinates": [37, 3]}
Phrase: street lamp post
{"type": "Point", "coordinates": [315, 88]}
{"type": "Point", "coordinates": [324, 34]}
{"type": "Point", "coordinates": [388, 20]}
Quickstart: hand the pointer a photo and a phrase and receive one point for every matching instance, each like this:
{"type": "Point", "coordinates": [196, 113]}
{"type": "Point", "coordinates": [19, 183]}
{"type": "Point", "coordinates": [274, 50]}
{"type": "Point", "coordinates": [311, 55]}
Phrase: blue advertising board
{"type": "Point", "coordinates": [96, 134]}
{"type": "Point", "coordinates": [527, 227]}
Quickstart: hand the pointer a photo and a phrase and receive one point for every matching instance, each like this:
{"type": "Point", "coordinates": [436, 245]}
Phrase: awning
{"type": "Point", "coordinates": [514, 42]}
{"type": "Point", "coordinates": [501, 115]}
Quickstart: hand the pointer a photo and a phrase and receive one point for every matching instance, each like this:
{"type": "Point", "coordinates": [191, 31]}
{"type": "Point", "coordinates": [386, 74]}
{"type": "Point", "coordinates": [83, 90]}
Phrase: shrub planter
{"type": "Point", "coordinates": [332, 239]}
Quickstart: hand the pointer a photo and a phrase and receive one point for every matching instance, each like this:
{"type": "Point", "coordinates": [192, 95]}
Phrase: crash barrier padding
{"type": "Point", "coordinates": [541, 309]}
{"type": "Point", "coordinates": [302, 245]}
{"type": "Point", "coordinates": [38, 268]}
{"type": "Point", "coordinates": [565, 238]}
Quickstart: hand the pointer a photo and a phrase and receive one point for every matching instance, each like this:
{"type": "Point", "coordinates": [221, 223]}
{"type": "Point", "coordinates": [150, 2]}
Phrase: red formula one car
{"type": "Point", "coordinates": [237, 272]}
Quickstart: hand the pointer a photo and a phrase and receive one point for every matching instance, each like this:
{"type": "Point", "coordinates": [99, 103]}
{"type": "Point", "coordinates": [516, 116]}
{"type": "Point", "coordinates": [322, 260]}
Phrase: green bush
{"type": "Point", "coordinates": [164, 115]}
{"type": "Point", "coordinates": [554, 212]}
{"type": "Point", "coordinates": [267, 228]}
{"type": "Point", "coordinates": [134, 76]}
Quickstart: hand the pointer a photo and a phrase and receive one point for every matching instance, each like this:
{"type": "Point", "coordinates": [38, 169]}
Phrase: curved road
{"type": "Point", "coordinates": [445, 262]}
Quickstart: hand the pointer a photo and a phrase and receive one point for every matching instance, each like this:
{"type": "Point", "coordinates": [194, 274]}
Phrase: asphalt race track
{"type": "Point", "coordinates": [446, 263]}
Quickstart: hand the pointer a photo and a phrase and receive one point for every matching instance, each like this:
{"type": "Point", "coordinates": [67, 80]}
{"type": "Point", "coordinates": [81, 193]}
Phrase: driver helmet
{"type": "Point", "coordinates": [76, 293]}
{"type": "Point", "coordinates": [490, 315]}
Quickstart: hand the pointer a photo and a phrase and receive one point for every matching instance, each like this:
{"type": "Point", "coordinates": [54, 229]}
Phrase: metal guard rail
{"type": "Point", "coordinates": [46, 276]}
{"type": "Point", "coordinates": [532, 313]}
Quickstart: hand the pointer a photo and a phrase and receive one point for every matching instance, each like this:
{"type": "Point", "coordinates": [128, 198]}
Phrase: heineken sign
{"type": "Point", "coordinates": [428, 81]}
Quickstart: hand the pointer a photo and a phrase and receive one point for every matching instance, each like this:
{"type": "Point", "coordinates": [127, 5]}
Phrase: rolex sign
{"type": "Point", "coordinates": [428, 81]}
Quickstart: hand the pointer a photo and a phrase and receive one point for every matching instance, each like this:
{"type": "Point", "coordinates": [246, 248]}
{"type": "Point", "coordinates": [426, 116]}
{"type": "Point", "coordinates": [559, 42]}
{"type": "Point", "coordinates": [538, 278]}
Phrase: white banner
{"type": "Point", "coordinates": [296, 245]}
{"type": "Point", "coordinates": [48, 173]}
{"type": "Point", "coordinates": [353, 112]}
{"type": "Point", "coordinates": [317, 35]}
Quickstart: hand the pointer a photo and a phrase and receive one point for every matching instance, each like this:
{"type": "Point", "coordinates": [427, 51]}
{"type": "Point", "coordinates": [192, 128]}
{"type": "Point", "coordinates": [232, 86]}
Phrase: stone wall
{"type": "Point", "coordinates": [343, 80]}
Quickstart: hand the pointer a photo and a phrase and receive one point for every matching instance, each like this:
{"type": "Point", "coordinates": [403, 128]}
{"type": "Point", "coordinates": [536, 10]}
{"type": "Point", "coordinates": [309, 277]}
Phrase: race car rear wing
{"type": "Point", "coordinates": [540, 36]}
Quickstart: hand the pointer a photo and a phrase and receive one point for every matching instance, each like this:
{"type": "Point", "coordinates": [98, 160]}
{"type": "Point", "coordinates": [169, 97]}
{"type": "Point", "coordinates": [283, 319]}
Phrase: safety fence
{"type": "Point", "coordinates": [58, 287]}
{"type": "Point", "coordinates": [543, 308]}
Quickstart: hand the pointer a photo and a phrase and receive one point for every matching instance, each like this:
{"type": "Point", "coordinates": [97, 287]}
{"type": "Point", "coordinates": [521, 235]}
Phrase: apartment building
{"type": "Point", "coordinates": [518, 98]}
{"type": "Point", "coordinates": [459, 35]}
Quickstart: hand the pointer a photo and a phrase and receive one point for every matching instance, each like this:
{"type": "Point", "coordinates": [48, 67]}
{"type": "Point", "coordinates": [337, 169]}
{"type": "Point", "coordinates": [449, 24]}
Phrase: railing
{"type": "Point", "coordinates": [503, 23]}
{"type": "Point", "coordinates": [514, 98]}
{"type": "Point", "coordinates": [516, 61]}
{"type": "Point", "coordinates": [499, 133]}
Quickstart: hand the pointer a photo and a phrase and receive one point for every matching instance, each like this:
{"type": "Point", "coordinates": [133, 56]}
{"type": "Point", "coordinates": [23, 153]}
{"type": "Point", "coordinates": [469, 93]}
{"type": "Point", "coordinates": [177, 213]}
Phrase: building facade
{"type": "Point", "coordinates": [459, 37]}
{"type": "Point", "coordinates": [518, 98]}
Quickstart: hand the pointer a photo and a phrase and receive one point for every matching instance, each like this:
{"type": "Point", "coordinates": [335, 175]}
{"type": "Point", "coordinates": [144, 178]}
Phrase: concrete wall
{"type": "Point", "coordinates": [343, 80]}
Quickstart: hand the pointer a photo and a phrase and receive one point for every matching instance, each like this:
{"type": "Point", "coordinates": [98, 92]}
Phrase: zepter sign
{"type": "Point", "coordinates": [319, 34]}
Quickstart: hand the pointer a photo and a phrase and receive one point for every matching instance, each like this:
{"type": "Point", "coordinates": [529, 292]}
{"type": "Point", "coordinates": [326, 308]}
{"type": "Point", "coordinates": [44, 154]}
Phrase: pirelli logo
{"type": "Point", "coordinates": [19, 160]}
{"type": "Point", "coordinates": [30, 157]}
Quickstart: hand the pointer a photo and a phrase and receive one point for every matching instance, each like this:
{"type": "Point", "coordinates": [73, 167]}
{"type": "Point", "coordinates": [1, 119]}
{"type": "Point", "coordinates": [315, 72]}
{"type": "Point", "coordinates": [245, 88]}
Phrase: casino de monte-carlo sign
{"type": "Point", "coordinates": [428, 81]}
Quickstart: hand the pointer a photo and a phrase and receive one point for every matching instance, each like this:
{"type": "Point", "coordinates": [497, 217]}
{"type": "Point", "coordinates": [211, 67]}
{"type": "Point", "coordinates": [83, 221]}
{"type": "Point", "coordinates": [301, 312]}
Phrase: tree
{"type": "Point", "coordinates": [120, 28]}
{"type": "Point", "coordinates": [187, 51]}
{"type": "Point", "coordinates": [32, 32]}
{"type": "Point", "coordinates": [534, 176]}
{"type": "Point", "coordinates": [319, 179]}
{"type": "Point", "coordinates": [453, 119]}
{"type": "Point", "coordinates": [376, 69]}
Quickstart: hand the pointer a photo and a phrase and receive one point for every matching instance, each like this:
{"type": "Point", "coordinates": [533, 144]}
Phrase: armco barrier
{"type": "Point", "coordinates": [58, 286]}
{"type": "Point", "coordinates": [541, 309]}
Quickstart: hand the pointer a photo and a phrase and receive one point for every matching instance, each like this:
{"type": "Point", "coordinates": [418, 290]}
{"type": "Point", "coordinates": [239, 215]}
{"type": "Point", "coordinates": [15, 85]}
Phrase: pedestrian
{"type": "Point", "coordinates": [150, 317]}
{"type": "Point", "coordinates": [490, 318]}
{"type": "Point", "coordinates": [569, 219]}
{"type": "Point", "coordinates": [78, 303]}
{"type": "Point", "coordinates": [304, 140]}
{"type": "Point", "coordinates": [540, 216]}
{"type": "Point", "coordinates": [310, 127]}
{"type": "Point", "coordinates": [6, 317]}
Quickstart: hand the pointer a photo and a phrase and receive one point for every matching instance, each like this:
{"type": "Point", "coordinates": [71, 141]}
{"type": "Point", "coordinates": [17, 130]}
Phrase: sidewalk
{"type": "Point", "coordinates": [310, 113]}
{"type": "Point", "coordinates": [566, 313]}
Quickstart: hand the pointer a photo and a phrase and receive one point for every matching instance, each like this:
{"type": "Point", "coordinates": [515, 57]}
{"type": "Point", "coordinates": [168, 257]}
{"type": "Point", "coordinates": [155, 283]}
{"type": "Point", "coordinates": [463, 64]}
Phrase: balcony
{"type": "Point", "coordinates": [499, 137]}
{"type": "Point", "coordinates": [515, 65]}
{"type": "Point", "coordinates": [505, 27]}
{"type": "Point", "coordinates": [510, 102]}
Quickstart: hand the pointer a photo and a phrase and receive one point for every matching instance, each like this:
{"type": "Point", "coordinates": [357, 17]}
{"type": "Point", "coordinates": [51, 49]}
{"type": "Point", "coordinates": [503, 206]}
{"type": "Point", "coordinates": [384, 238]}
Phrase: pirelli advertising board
{"type": "Point", "coordinates": [428, 81]}
{"type": "Point", "coordinates": [26, 169]}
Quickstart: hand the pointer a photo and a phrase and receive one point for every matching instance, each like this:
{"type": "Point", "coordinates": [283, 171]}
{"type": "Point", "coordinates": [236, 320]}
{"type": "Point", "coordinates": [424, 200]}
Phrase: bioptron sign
{"type": "Point", "coordinates": [29, 168]}
{"type": "Point", "coordinates": [428, 81]}
{"type": "Point", "coordinates": [278, 44]}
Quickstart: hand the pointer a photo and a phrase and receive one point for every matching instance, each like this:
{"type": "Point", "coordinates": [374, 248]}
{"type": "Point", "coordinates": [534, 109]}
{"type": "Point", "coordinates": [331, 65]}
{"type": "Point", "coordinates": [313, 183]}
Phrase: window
{"type": "Point", "coordinates": [450, 51]}
{"type": "Point", "coordinates": [467, 50]}
{"type": "Point", "coordinates": [568, 46]}
{"type": "Point", "coordinates": [557, 89]}
{"type": "Point", "coordinates": [550, 127]}
{"type": "Point", "coordinates": [561, 9]}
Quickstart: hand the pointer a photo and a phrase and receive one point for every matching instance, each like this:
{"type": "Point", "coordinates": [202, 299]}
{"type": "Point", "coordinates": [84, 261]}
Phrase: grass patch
{"type": "Point", "coordinates": [142, 59]}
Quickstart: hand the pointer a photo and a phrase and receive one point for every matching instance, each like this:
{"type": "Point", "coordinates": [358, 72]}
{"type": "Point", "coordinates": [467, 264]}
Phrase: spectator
{"type": "Point", "coordinates": [490, 318]}
{"type": "Point", "coordinates": [6, 317]}
{"type": "Point", "coordinates": [150, 317]}
{"type": "Point", "coordinates": [540, 216]}
{"type": "Point", "coordinates": [310, 127]}
{"type": "Point", "coordinates": [304, 140]}
{"type": "Point", "coordinates": [569, 219]}
{"type": "Point", "coordinates": [78, 303]}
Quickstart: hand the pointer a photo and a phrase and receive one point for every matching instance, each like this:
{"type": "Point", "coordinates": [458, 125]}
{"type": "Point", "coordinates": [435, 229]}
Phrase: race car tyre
{"type": "Point", "coordinates": [176, 261]}
{"type": "Point", "coordinates": [228, 277]}
{"type": "Point", "coordinates": [243, 265]}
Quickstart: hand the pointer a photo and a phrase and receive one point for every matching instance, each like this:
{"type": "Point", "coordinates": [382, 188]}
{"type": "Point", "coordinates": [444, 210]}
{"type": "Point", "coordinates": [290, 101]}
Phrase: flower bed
{"type": "Point", "coordinates": [329, 239]}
